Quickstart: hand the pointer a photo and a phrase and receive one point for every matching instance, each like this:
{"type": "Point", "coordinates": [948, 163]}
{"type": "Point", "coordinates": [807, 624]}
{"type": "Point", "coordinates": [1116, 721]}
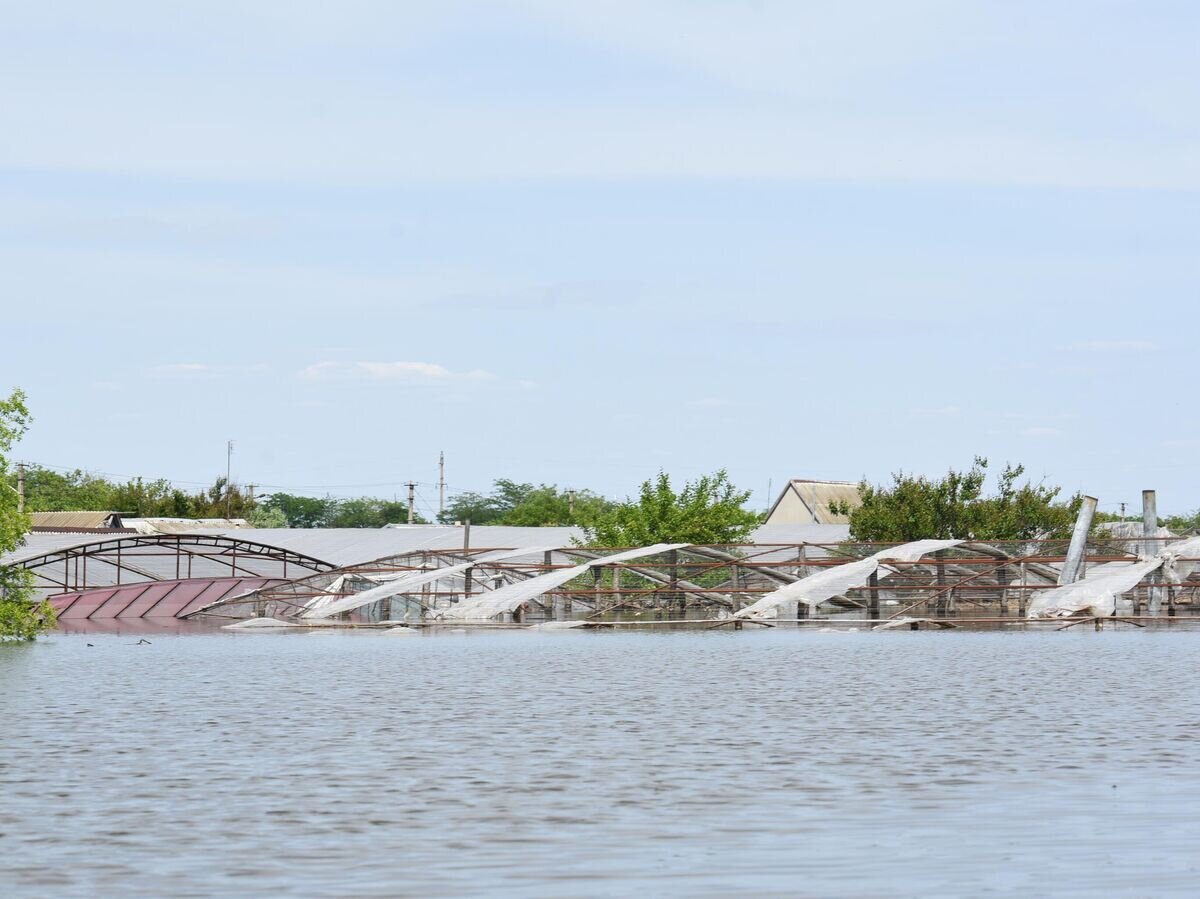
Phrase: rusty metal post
{"type": "Point", "coordinates": [940, 566]}
{"type": "Point", "coordinates": [802, 610]}
{"type": "Point", "coordinates": [673, 560]}
{"type": "Point", "coordinates": [1002, 580]}
{"type": "Point", "coordinates": [1023, 596]}
{"type": "Point", "coordinates": [597, 583]}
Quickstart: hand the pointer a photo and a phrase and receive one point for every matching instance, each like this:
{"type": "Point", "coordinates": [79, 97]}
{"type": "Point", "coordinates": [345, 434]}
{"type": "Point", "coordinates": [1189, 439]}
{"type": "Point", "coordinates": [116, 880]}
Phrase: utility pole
{"type": "Point", "coordinates": [441, 484]}
{"type": "Point", "coordinates": [228, 470]}
{"type": "Point", "coordinates": [20, 488]}
{"type": "Point", "coordinates": [250, 494]}
{"type": "Point", "coordinates": [571, 502]}
{"type": "Point", "coordinates": [412, 498]}
{"type": "Point", "coordinates": [1122, 511]}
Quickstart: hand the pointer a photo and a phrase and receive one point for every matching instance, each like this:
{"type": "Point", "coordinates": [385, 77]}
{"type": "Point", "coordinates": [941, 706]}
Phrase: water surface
{"type": "Point", "coordinates": [599, 764]}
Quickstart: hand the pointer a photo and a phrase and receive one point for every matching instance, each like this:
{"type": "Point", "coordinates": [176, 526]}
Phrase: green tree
{"type": "Point", "coordinates": [20, 618]}
{"type": "Point", "coordinates": [369, 512]}
{"type": "Point", "coordinates": [916, 508]}
{"type": "Point", "coordinates": [52, 491]}
{"type": "Point", "coordinates": [302, 511]}
{"type": "Point", "coordinates": [470, 506]}
{"type": "Point", "coordinates": [526, 505]}
{"type": "Point", "coordinates": [708, 510]}
{"type": "Point", "coordinates": [262, 517]}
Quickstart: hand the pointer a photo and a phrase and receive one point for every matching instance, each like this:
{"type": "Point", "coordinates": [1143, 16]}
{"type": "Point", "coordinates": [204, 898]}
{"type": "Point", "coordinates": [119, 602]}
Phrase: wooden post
{"type": "Point", "coordinates": [873, 595]}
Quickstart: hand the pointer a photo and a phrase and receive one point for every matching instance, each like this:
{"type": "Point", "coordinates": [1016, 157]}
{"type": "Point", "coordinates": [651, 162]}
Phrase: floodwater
{"type": "Point", "coordinates": [768, 763]}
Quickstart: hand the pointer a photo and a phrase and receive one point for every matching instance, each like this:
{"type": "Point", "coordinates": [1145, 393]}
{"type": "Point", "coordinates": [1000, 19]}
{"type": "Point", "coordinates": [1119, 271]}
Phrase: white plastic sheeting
{"type": "Point", "coordinates": [509, 598]}
{"type": "Point", "coordinates": [406, 582]}
{"type": "Point", "coordinates": [1096, 595]}
{"type": "Point", "coordinates": [830, 582]}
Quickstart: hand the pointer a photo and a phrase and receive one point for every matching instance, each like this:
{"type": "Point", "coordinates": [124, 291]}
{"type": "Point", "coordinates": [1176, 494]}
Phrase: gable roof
{"type": "Point", "coordinates": [816, 497]}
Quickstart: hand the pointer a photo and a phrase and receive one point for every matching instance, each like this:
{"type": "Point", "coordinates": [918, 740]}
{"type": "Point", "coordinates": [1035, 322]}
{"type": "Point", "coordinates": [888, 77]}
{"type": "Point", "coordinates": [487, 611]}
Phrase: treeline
{"type": "Point", "coordinates": [707, 510]}
{"type": "Point", "coordinates": [52, 491]}
{"type": "Point", "coordinates": [526, 505]}
{"type": "Point", "coordinates": [913, 507]}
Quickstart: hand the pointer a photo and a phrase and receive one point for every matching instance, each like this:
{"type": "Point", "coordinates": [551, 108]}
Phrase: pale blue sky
{"type": "Point", "coordinates": [577, 242]}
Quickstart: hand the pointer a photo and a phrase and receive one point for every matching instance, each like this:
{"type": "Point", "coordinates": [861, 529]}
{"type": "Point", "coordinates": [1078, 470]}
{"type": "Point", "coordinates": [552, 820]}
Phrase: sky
{"type": "Point", "coordinates": [577, 243]}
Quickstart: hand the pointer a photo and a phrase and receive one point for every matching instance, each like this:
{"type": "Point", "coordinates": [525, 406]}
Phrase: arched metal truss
{"type": "Point", "coordinates": [163, 557]}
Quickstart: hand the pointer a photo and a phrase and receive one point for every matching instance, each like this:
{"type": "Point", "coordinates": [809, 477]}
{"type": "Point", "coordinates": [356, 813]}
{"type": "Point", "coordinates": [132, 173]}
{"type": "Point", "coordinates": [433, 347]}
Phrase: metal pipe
{"type": "Point", "coordinates": [1078, 547]}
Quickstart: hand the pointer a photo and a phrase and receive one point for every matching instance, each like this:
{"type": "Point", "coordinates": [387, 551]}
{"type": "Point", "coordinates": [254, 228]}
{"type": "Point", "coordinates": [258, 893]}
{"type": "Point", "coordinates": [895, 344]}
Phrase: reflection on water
{"type": "Point", "coordinates": [601, 763]}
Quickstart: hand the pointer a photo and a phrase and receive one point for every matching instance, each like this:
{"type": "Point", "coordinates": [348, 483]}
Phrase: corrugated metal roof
{"type": "Point", "coordinates": [350, 546]}
{"type": "Point", "coordinates": [72, 519]}
{"type": "Point", "coordinates": [185, 525]}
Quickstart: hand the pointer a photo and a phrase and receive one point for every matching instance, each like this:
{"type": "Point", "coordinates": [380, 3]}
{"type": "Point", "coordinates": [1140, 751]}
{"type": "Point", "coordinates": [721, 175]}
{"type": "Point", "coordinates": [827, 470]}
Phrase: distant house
{"type": "Point", "coordinates": [808, 502]}
{"type": "Point", "coordinates": [71, 522]}
{"type": "Point", "coordinates": [100, 522]}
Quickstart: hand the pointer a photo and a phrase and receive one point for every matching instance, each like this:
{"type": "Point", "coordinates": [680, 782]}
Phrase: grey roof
{"type": "Point", "coordinates": [350, 546]}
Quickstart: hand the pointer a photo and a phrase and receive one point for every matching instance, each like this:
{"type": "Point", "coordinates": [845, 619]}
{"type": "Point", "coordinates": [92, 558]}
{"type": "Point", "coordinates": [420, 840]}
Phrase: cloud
{"type": "Point", "coordinates": [411, 372]}
{"type": "Point", "coordinates": [1115, 346]}
{"type": "Point", "coordinates": [320, 370]}
{"type": "Point", "coordinates": [203, 370]}
{"type": "Point", "coordinates": [404, 370]}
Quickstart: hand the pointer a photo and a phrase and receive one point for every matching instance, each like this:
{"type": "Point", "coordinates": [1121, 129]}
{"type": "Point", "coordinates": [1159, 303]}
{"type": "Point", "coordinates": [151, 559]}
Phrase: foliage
{"type": "Point", "coordinates": [368, 512]}
{"type": "Point", "coordinates": [709, 510]}
{"type": "Point", "coordinates": [262, 517]}
{"type": "Point", "coordinates": [915, 508]}
{"type": "Point", "coordinates": [331, 512]}
{"type": "Point", "coordinates": [20, 619]}
{"type": "Point", "coordinates": [1181, 523]}
{"type": "Point", "coordinates": [526, 505]}
{"type": "Point", "coordinates": [51, 491]}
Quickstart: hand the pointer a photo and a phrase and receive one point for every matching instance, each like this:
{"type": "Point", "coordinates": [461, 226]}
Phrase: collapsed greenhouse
{"type": "Point", "coordinates": [432, 576]}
